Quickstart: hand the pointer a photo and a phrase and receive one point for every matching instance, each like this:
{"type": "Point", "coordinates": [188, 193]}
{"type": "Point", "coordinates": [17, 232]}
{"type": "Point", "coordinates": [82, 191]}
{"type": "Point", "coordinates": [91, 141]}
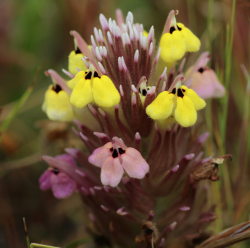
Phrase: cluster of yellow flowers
{"type": "Point", "coordinates": [90, 85]}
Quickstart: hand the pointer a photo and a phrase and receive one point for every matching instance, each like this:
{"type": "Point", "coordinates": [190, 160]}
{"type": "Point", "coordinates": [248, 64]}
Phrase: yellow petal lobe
{"type": "Point", "coordinates": [198, 102]}
{"type": "Point", "coordinates": [192, 42]}
{"type": "Point", "coordinates": [75, 61]}
{"type": "Point", "coordinates": [105, 93]}
{"type": "Point", "coordinates": [172, 46]}
{"type": "Point", "coordinates": [161, 108]}
{"type": "Point", "coordinates": [57, 105]}
{"type": "Point", "coordinates": [82, 93]}
{"type": "Point", "coordinates": [185, 113]}
{"type": "Point", "coordinates": [73, 82]}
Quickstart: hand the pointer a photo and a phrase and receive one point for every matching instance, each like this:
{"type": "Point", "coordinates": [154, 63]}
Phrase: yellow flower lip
{"type": "Point", "coordinates": [89, 86]}
{"type": "Point", "coordinates": [56, 104]}
{"type": "Point", "coordinates": [179, 103]}
{"type": "Point", "coordinates": [75, 62]}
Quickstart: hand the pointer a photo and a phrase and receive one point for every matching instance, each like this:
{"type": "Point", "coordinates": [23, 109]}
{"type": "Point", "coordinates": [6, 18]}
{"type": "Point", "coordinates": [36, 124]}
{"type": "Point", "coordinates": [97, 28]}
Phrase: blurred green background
{"type": "Point", "coordinates": [35, 33]}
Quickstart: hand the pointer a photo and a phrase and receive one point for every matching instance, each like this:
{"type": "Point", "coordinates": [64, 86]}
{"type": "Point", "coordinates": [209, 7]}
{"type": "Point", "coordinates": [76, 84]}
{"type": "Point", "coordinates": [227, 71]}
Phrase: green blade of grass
{"type": "Point", "coordinates": [209, 24]}
{"type": "Point", "coordinates": [228, 53]}
{"type": "Point", "coordinates": [225, 177]}
{"type": "Point", "coordinates": [26, 233]}
{"type": "Point", "coordinates": [33, 245]}
{"type": "Point", "coordinates": [244, 129]}
{"type": "Point", "coordinates": [191, 15]}
{"type": "Point", "coordinates": [19, 104]}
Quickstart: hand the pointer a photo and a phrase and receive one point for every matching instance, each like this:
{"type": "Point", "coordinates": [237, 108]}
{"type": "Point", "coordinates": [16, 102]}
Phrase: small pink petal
{"type": "Point", "coordinates": [189, 156]}
{"type": "Point", "coordinates": [44, 180]}
{"type": "Point", "coordinates": [203, 137]}
{"type": "Point", "coordinates": [134, 164]}
{"type": "Point", "coordinates": [100, 154]}
{"type": "Point", "coordinates": [173, 225]}
{"type": "Point", "coordinates": [62, 185]}
{"type": "Point", "coordinates": [175, 168]}
{"type": "Point", "coordinates": [121, 211]}
{"type": "Point", "coordinates": [67, 158]}
{"type": "Point", "coordinates": [112, 172]}
{"type": "Point", "coordinates": [206, 84]}
{"type": "Point", "coordinates": [162, 242]}
{"type": "Point", "coordinates": [104, 208]}
{"type": "Point", "coordinates": [202, 61]}
{"type": "Point", "coordinates": [202, 84]}
{"type": "Point", "coordinates": [184, 208]}
{"type": "Point", "coordinates": [219, 90]}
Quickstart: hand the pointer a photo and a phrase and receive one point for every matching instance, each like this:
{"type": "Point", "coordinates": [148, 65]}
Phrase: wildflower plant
{"type": "Point", "coordinates": [141, 162]}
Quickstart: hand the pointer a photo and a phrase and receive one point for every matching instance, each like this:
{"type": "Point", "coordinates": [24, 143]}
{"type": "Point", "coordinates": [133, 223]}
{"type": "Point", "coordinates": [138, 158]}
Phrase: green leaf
{"type": "Point", "coordinates": [19, 104]}
{"type": "Point", "coordinates": [33, 245]}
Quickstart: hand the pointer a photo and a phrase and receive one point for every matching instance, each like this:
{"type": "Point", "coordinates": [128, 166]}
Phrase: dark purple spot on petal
{"type": "Point", "coordinates": [57, 88]}
{"type": "Point", "coordinates": [96, 75]}
{"type": "Point", "coordinates": [115, 154]}
{"type": "Point", "coordinates": [201, 70]}
{"type": "Point", "coordinates": [172, 29]}
{"type": "Point", "coordinates": [179, 28]}
{"type": "Point", "coordinates": [89, 75]}
{"type": "Point", "coordinates": [173, 91]}
{"type": "Point", "coordinates": [180, 93]}
{"type": "Point", "coordinates": [121, 151]}
{"type": "Point", "coordinates": [144, 92]}
{"type": "Point", "coordinates": [77, 51]}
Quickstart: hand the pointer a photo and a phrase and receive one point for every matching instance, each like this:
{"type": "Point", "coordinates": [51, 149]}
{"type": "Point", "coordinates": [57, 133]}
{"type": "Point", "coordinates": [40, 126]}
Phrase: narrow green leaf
{"type": "Point", "coordinates": [26, 233]}
{"type": "Point", "coordinates": [225, 176]}
{"type": "Point", "coordinates": [209, 25]}
{"type": "Point", "coordinates": [33, 245]}
{"type": "Point", "coordinates": [18, 105]}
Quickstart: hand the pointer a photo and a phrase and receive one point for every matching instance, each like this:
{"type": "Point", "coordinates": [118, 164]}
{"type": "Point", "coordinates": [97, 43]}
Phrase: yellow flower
{"type": "Point", "coordinates": [75, 61]}
{"type": "Point", "coordinates": [89, 87]}
{"type": "Point", "coordinates": [177, 40]}
{"type": "Point", "coordinates": [181, 104]}
{"type": "Point", "coordinates": [56, 104]}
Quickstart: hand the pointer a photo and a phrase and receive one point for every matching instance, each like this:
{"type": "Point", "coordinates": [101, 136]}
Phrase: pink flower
{"type": "Point", "coordinates": [203, 80]}
{"type": "Point", "coordinates": [114, 157]}
{"type": "Point", "coordinates": [61, 184]}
